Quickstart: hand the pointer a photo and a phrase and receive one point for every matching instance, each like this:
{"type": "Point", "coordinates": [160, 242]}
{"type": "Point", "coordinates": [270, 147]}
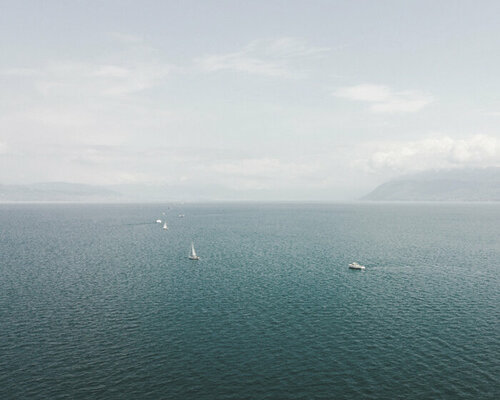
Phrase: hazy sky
{"type": "Point", "coordinates": [301, 99]}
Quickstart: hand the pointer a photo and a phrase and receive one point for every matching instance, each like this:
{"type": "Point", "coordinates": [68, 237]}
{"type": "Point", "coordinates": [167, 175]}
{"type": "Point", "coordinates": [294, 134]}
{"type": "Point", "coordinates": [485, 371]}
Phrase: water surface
{"type": "Point", "coordinates": [98, 302]}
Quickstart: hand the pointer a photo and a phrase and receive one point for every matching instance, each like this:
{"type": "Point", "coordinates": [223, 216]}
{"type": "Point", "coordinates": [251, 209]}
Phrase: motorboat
{"type": "Point", "coordinates": [355, 265]}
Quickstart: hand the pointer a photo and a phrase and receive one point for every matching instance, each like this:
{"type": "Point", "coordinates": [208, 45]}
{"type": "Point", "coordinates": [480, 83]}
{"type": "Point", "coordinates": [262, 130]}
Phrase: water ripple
{"type": "Point", "coordinates": [97, 302]}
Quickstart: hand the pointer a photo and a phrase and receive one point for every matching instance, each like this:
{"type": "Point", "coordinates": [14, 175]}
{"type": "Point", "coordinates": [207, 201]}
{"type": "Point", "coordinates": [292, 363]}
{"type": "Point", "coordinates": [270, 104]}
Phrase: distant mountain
{"type": "Point", "coordinates": [73, 192]}
{"type": "Point", "coordinates": [442, 185]}
{"type": "Point", "coordinates": [57, 191]}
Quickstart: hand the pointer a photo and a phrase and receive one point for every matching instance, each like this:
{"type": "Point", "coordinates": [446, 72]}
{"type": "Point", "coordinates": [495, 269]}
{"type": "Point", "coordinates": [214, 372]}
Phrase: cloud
{"type": "Point", "coordinates": [383, 99]}
{"type": "Point", "coordinates": [263, 57]}
{"type": "Point", "coordinates": [112, 71]}
{"type": "Point", "coordinates": [286, 47]}
{"type": "Point", "coordinates": [125, 38]}
{"type": "Point", "coordinates": [242, 63]}
{"type": "Point", "coordinates": [74, 79]}
{"type": "Point", "coordinates": [435, 152]}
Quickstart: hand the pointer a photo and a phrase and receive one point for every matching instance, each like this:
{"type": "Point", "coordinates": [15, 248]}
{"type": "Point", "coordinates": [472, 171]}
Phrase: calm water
{"type": "Point", "coordinates": [98, 302]}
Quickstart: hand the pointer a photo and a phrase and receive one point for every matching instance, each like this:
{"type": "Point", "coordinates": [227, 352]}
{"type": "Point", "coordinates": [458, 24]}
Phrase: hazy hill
{"type": "Point", "coordinates": [56, 191]}
{"type": "Point", "coordinates": [442, 185]}
{"type": "Point", "coordinates": [72, 192]}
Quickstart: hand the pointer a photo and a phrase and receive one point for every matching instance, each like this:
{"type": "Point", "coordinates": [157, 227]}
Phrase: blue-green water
{"type": "Point", "coordinates": [98, 302]}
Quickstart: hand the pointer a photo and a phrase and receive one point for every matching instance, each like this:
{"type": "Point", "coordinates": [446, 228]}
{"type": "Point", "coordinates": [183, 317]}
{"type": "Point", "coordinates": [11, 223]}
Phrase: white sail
{"type": "Point", "coordinates": [192, 255]}
{"type": "Point", "coordinates": [165, 225]}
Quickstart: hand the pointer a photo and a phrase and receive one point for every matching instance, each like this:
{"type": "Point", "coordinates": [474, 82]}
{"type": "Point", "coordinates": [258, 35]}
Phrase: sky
{"type": "Point", "coordinates": [286, 100]}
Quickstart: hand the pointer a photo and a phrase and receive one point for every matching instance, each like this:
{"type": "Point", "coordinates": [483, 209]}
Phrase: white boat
{"type": "Point", "coordinates": [355, 265]}
{"type": "Point", "coordinates": [158, 221]}
{"type": "Point", "coordinates": [181, 215]}
{"type": "Point", "coordinates": [192, 255]}
{"type": "Point", "coordinates": [165, 225]}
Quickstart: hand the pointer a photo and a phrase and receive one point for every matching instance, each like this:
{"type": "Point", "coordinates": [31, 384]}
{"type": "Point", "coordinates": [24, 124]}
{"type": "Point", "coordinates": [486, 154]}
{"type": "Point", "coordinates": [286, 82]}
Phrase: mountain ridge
{"type": "Point", "coordinates": [471, 184]}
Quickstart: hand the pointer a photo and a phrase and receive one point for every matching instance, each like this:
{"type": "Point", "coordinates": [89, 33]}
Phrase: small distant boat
{"type": "Point", "coordinates": [355, 265]}
{"type": "Point", "coordinates": [192, 255]}
{"type": "Point", "coordinates": [181, 215]}
{"type": "Point", "coordinates": [165, 225]}
{"type": "Point", "coordinates": [158, 221]}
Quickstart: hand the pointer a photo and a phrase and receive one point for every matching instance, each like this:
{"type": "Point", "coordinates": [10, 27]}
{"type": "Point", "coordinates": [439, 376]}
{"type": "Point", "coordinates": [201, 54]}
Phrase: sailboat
{"type": "Point", "coordinates": [192, 255]}
{"type": "Point", "coordinates": [165, 225]}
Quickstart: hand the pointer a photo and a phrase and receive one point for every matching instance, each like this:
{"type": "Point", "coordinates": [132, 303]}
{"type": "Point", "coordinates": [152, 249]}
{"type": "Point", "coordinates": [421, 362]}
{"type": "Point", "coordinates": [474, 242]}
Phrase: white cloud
{"type": "Point", "coordinates": [263, 57]}
{"type": "Point", "coordinates": [125, 38]}
{"type": "Point", "coordinates": [370, 93]}
{"type": "Point", "coordinates": [74, 79]}
{"type": "Point", "coordinates": [242, 63]}
{"type": "Point", "coordinates": [285, 47]}
{"type": "Point", "coordinates": [434, 152]}
{"type": "Point", "coordinates": [383, 99]}
{"type": "Point", "coordinates": [111, 71]}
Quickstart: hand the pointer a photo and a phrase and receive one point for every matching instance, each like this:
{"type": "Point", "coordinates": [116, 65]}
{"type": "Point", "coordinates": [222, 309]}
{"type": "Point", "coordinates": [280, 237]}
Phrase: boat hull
{"type": "Point", "coordinates": [357, 266]}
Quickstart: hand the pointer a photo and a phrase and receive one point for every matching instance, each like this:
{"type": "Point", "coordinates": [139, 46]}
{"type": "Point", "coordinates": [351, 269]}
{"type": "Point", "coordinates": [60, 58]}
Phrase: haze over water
{"type": "Point", "coordinates": [97, 301]}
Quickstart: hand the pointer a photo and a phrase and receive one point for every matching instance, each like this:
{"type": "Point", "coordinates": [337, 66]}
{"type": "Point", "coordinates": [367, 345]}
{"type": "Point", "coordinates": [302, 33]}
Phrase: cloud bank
{"type": "Point", "coordinates": [435, 153]}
